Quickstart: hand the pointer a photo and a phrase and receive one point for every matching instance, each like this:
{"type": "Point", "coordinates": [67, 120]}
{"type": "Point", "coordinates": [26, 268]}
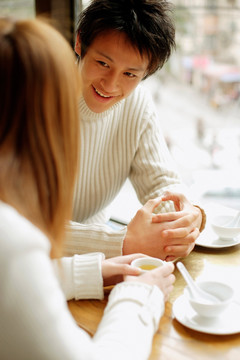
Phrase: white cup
{"type": "Point", "coordinates": [147, 263]}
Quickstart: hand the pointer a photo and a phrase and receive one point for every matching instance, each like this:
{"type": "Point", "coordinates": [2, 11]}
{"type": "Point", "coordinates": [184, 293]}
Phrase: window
{"type": "Point", "coordinates": [197, 95]}
{"type": "Point", "coordinates": [18, 8]}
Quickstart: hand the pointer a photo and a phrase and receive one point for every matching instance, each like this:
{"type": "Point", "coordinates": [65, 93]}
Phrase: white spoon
{"type": "Point", "coordinates": [235, 222]}
{"type": "Point", "coordinates": [195, 290]}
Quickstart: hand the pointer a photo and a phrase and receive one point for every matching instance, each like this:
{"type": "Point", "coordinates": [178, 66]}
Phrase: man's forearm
{"type": "Point", "coordinates": [82, 239]}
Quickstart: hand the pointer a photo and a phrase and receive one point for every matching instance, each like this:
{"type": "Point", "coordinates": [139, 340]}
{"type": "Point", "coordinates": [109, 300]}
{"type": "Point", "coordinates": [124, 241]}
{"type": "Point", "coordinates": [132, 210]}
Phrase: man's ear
{"type": "Point", "coordinates": [78, 46]}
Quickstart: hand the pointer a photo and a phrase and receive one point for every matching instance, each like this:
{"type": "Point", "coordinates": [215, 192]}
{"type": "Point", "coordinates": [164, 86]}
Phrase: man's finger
{"type": "Point", "coordinates": [152, 204]}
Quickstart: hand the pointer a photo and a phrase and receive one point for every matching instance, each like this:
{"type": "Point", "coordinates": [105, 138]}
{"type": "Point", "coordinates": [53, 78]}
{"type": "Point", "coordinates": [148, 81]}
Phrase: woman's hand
{"type": "Point", "coordinates": [162, 277]}
{"type": "Point", "coordinates": [114, 269]}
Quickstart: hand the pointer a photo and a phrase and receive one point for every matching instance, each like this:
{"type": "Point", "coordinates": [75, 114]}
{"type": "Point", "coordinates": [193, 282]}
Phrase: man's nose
{"type": "Point", "coordinates": [110, 82]}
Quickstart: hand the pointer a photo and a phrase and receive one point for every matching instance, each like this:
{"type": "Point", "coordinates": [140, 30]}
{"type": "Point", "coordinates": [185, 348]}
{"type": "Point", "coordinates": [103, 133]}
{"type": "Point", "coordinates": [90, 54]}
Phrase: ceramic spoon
{"type": "Point", "coordinates": [195, 290]}
{"type": "Point", "coordinates": [235, 222]}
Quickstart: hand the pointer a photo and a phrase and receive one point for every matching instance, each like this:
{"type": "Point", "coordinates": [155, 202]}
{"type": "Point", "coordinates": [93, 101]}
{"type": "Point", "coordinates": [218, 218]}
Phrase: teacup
{"type": "Point", "coordinates": [147, 263]}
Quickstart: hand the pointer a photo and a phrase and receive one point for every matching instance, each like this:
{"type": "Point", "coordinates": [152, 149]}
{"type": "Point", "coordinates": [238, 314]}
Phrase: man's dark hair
{"type": "Point", "coordinates": [146, 23]}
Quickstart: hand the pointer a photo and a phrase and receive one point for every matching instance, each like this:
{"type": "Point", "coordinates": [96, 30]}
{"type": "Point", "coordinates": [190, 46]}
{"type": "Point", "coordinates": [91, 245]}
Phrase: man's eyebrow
{"type": "Point", "coordinates": [110, 59]}
{"type": "Point", "coordinates": [104, 55]}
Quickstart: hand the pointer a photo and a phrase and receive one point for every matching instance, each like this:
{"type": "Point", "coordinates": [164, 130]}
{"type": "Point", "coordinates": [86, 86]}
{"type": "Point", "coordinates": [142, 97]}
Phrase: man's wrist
{"type": "Point", "coordinates": [204, 218]}
{"type": "Point", "coordinates": [125, 247]}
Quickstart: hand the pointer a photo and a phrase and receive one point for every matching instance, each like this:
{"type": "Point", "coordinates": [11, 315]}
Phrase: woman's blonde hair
{"type": "Point", "coordinates": [39, 126]}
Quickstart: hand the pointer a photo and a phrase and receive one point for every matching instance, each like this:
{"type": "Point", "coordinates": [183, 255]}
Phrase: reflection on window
{"type": "Point", "coordinates": [85, 3]}
{"type": "Point", "coordinates": [17, 8]}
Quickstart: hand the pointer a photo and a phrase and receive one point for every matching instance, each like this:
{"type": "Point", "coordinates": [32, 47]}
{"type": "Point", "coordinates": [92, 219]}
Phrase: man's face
{"type": "Point", "coordinates": [110, 70]}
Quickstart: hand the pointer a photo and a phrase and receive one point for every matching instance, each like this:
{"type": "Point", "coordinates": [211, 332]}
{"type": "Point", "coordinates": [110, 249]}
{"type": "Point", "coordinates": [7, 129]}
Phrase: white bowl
{"type": "Point", "coordinates": [222, 291]}
{"type": "Point", "coordinates": [224, 232]}
{"type": "Point", "coordinates": [147, 263]}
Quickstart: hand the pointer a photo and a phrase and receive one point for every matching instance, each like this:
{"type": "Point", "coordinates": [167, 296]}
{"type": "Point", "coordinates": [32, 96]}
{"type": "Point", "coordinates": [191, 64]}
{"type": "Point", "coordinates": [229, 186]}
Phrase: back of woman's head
{"type": "Point", "coordinates": [39, 87]}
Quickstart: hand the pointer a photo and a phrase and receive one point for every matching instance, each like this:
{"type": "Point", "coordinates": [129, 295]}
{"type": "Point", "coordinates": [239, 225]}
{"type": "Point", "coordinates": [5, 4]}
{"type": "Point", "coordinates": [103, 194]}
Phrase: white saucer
{"type": "Point", "coordinates": [225, 324]}
{"type": "Point", "coordinates": [210, 239]}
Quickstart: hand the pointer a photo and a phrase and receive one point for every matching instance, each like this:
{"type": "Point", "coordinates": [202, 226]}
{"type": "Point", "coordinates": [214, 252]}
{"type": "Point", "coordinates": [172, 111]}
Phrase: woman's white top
{"type": "Point", "coordinates": [35, 323]}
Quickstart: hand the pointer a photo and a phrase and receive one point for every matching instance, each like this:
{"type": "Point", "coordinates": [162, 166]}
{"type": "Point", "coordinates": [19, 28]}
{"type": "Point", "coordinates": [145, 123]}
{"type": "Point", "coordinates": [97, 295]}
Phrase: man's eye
{"type": "Point", "coordinates": [102, 63]}
{"type": "Point", "coordinates": [131, 75]}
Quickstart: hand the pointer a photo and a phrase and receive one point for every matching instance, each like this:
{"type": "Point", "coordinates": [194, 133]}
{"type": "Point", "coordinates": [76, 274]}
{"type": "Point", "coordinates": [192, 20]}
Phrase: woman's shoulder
{"type": "Point", "coordinates": [17, 232]}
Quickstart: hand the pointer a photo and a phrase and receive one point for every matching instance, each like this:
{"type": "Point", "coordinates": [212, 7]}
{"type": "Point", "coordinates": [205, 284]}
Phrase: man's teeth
{"type": "Point", "coordinates": [98, 92]}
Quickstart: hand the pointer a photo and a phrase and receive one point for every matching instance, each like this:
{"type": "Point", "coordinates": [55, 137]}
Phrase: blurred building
{"type": "Point", "coordinates": [208, 47]}
{"type": "Point", "coordinates": [212, 27]}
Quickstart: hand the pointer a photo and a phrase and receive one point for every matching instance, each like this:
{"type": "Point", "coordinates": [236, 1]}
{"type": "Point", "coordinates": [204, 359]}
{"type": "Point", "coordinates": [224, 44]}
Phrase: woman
{"type": "Point", "coordinates": [39, 88]}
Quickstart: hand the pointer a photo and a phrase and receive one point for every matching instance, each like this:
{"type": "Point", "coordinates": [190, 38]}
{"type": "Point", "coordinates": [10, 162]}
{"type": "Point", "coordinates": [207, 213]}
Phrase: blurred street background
{"type": "Point", "coordinates": [197, 95]}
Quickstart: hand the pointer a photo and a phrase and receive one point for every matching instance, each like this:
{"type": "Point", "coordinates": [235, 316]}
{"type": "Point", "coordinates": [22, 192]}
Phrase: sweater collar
{"type": "Point", "coordinates": [89, 115]}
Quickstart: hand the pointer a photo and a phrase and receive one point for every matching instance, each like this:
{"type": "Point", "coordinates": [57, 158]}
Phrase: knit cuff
{"type": "Point", "coordinates": [87, 276]}
{"type": "Point", "coordinates": [149, 298]}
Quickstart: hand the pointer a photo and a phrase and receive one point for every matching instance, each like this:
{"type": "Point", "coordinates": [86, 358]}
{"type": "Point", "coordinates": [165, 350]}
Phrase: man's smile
{"type": "Point", "coordinates": [101, 94]}
{"type": "Point", "coordinates": [111, 69]}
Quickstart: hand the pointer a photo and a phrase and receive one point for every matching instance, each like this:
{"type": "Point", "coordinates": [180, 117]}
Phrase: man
{"type": "Point", "coordinates": [119, 44]}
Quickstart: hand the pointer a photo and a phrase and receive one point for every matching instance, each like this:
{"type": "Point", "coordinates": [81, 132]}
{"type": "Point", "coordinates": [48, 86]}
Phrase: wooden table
{"type": "Point", "coordinates": [174, 341]}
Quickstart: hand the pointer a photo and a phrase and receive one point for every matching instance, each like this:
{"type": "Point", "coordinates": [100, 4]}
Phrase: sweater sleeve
{"type": "Point", "coordinates": [141, 307]}
{"type": "Point", "coordinates": [34, 313]}
{"type": "Point", "coordinates": [153, 169]}
{"type": "Point", "coordinates": [82, 238]}
{"type": "Point", "coordinates": [80, 276]}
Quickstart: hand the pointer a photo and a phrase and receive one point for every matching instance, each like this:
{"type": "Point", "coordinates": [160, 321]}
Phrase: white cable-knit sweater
{"type": "Point", "coordinates": [124, 141]}
{"type": "Point", "coordinates": [35, 323]}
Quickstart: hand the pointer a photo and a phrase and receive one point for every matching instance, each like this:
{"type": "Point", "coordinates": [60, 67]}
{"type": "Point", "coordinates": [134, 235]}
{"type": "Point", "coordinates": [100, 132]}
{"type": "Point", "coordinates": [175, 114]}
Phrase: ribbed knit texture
{"type": "Point", "coordinates": [82, 239]}
{"type": "Point", "coordinates": [35, 320]}
{"type": "Point", "coordinates": [124, 141]}
{"type": "Point", "coordinates": [75, 276]}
